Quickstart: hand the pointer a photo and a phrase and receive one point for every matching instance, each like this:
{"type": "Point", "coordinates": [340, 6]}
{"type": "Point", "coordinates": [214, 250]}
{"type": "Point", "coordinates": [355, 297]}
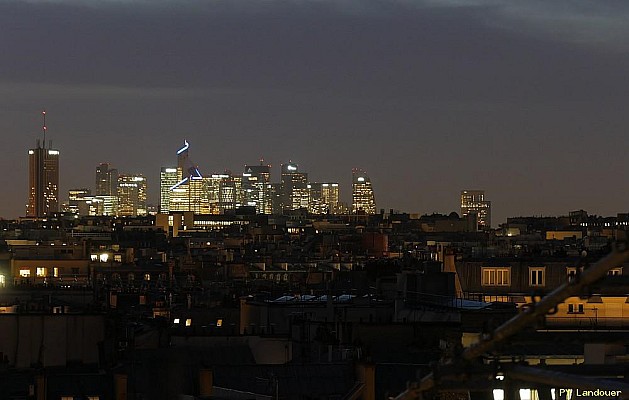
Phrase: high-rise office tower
{"type": "Point", "coordinates": [183, 159]}
{"type": "Point", "coordinates": [256, 187]}
{"type": "Point", "coordinates": [104, 205]}
{"type": "Point", "coordinates": [323, 198]}
{"type": "Point", "coordinates": [43, 178]}
{"type": "Point", "coordinates": [131, 195]}
{"type": "Point", "coordinates": [277, 198]}
{"type": "Point", "coordinates": [294, 187]}
{"type": "Point", "coordinates": [78, 201]}
{"type": "Point", "coordinates": [168, 178]}
{"type": "Point", "coordinates": [189, 193]}
{"type": "Point", "coordinates": [231, 193]}
{"type": "Point", "coordinates": [363, 199]}
{"type": "Point", "coordinates": [473, 203]}
{"type": "Point", "coordinates": [106, 180]}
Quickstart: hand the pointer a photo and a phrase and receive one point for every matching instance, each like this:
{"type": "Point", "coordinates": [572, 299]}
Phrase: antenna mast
{"type": "Point", "coordinates": [44, 128]}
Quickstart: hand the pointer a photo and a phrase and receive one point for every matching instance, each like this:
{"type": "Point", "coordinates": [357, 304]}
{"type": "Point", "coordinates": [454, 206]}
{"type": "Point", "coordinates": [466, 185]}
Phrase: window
{"type": "Point", "coordinates": [55, 272]}
{"type": "Point", "coordinates": [3, 281]}
{"type": "Point", "coordinates": [575, 308]}
{"type": "Point", "coordinates": [492, 276]}
{"type": "Point", "coordinates": [147, 277]}
{"type": "Point", "coordinates": [615, 271]}
{"type": "Point", "coordinates": [117, 258]}
{"type": "Point", "coordinates": [25, 273]}
{"type": "Point", "coordinates": [41, 271]}
{"type": "Point", "coordinates": [537, 276]}
{"type": "Point", "coordinates": [188, 322]}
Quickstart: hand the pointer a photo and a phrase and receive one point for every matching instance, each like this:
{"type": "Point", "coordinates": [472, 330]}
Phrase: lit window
{"type": "Point", "coordinates": [176, 321]}
{"type": "Point", "coordinates": [537, 276]}
{"type": "Point", "coordinates": [3, 281]}
{"type": "Point", "coordinates": [188, 322]}
{"type": "Point", "coordinates": [41, 271]}
{"type": "Point", "coordinates": [94, 257]}
{"type": "Point", "coordinates": [492, 276]}
{"type": "Point", "coordinates": [219, 323]}
{"type": "Point", "coordinates": [25, 273]}
{"type": "Point", "coordinates": [118, 258]}
{"type": "Point", "coordinates": [615, 271]}
{"type": "Point", "coordinates": [575, 308]}
{"type": "Point", "coordinates": [104, 257]}
{"type": "Point", "coordinates": [147, 277]}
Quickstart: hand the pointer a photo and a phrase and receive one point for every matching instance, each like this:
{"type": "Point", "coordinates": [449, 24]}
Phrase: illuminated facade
{"type": "Point", "coordinates": [230, 192]}
{"type": "Point", "coordinates": [103, 205]}
{"type": "Point", "coordinates": [168, 178]}
{"type": "Point", "coordinates": [43, 178]}
{"type": "Point", "coordinates": [77, 201]}
{"type": "Point", "coordinates": [256, 187]}
{"type": "Point", "coordinates": [363, 199]}
{"type": "Point", "coordinates": [473, 203]}
{"type": "Point", "coordinates": [294, 187]}
{"type": "Point", "coordinates": [323, 198]}
{"type": "Point", "coordinates": [184, 188]}
{"type": "Point", "coordinates": [131, 195]}
{"type": "Point", "coordinates": [106, 180]}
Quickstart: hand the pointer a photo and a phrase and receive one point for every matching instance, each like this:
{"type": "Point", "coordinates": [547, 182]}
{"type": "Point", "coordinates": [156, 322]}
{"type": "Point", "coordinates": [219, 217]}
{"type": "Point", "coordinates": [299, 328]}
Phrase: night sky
{"type": "Point", "coordinates": [527, 100]}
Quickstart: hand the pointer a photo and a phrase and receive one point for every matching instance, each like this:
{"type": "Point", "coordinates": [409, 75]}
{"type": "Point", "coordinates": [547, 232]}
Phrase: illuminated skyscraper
{"type": "Point", "coordinates": [363, 199]}
{"type": "Point", "coordinates": [168, 178]}
{"type": "Point", "coordinates": [473, 203]}
{"type": "Point", "coordinates": [106, 180]}
{"type": "Point", "coordinates": [43, 178]}
{"type": "Point", "coordinates": [257, 188]}
{"type": "Point", "coordinates": [323, 198]}
{"type": "Point", "coordinates": [189, 192]}
{"type": "Point", "coordinates": [104, 205]}
{"type": "Point", "coordinates": [294, 187]}
{"type": "Point", "coordinates": [78, 201]}
{"type": "Point", "coordinates": [231, 193]}
{"type": "Point", "coordinates": [131, 195]}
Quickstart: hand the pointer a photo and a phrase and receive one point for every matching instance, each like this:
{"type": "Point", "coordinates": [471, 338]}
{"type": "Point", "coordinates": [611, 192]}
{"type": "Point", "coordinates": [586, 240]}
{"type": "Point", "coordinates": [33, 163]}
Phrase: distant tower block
{"type": "Point", "coordinates": [473, 203]}
{"type": "Point", "coordinates": [43, 177]}
{"type": "Point", "coordinates": [363, 199]}
{"type": "Point", "coordinates": [106, 180]}
{"type": "Point", "coordinates": [256, 183]}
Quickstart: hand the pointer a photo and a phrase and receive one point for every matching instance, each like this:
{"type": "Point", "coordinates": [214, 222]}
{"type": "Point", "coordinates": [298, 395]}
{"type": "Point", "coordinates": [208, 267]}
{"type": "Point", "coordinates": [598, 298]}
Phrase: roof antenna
{"type": "Point", "coordinates": [44, 127]}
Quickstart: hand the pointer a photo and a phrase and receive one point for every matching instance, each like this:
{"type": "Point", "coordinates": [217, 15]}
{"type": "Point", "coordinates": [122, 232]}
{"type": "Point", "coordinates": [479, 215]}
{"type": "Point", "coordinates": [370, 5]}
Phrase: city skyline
{"type": "Point", "coordinates": [524, 101]}
{"type": "Point", "coordinates": [104, 182]}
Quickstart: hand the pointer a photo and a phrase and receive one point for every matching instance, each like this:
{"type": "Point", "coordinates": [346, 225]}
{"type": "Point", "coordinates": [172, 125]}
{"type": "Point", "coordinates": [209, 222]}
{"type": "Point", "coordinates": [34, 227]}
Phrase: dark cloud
{"type": "Point", "coordinates": [429, 99]}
